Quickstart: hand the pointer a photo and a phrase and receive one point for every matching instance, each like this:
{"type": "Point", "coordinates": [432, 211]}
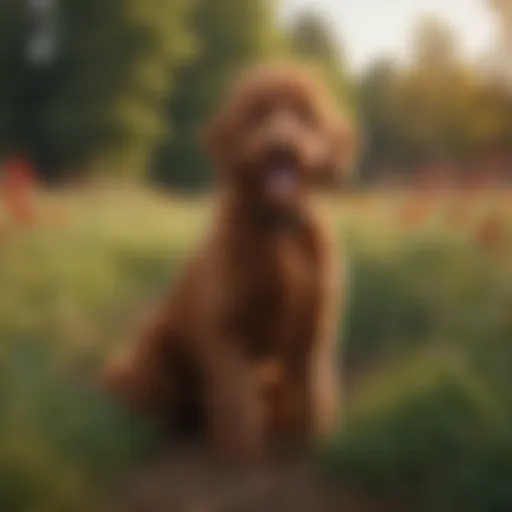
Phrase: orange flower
{"type": "Point", "coordinates": [491, 233]}
{"type": "Point", "coordinates": [416, 211]}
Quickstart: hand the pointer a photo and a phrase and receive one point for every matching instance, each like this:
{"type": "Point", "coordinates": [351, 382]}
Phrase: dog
{"type": "Point", "coordinates": [244, 345]}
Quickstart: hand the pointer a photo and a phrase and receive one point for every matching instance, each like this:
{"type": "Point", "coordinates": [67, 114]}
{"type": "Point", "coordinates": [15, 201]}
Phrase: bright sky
{"type": "Point", "coordinates": [371, 28]}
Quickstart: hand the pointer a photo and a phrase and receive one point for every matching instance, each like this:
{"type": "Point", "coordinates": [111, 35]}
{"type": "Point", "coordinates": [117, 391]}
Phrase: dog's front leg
{"type": "Point", "coordinates": [323, 392]}
{"type": "Point", "coordinates": [234, 408]}
{"type": "Point", "coordinates": [322, 377]}
{"type": "Point", "coordinates": [307, 402]}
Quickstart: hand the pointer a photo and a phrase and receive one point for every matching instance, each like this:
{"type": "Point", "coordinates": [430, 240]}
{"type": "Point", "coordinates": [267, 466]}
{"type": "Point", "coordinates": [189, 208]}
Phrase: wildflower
{"type": "Point", "coordinates": [17, 191]}
{"type": "Point", "coordinates": [416, 210]}
{"type": "Point", "coordinates": [491, 233]}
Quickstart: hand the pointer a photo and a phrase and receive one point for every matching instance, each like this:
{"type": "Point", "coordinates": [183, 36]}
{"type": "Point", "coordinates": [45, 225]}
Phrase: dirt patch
{"type": "Point", "coordinates": [189, 481]}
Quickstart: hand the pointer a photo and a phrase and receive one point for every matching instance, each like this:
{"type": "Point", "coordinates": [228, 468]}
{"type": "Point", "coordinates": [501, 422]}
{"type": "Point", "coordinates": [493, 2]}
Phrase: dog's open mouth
{"type": "Point", "coordinates": [281, 178]}
{"type": "Point", "coordinates": [281, 182]}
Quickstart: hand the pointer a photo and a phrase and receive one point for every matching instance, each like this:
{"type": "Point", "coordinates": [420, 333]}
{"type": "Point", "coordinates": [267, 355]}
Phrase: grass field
{"type": "Point", "coordinates": [427, 344]}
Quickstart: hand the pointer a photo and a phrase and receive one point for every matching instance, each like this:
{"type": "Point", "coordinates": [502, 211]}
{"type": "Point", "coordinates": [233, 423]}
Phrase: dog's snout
{"type": "Point", "coordinates": [280, 127]}
{"type": "Point", "coordinates": [281, 152]}
{"type": "Point", "coordinates": [280, 140]}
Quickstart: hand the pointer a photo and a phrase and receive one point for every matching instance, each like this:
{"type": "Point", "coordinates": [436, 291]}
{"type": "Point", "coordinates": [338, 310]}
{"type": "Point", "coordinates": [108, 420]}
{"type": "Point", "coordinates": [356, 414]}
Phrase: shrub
{"type": "Point", "coordinates": [61, 443]}
{"type": "Point", "coordinates": [428, 431]}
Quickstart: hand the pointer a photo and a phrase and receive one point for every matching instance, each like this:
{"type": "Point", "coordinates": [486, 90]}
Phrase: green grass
{"type": "Point", "coordinates": [71, 291]}
{"type": "Point", "coordinates": [431, 433]}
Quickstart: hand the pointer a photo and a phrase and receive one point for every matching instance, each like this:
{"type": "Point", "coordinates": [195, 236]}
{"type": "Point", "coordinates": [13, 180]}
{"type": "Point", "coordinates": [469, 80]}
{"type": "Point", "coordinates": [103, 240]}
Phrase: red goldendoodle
{"type": "Point", "coordinates": [244, 344]}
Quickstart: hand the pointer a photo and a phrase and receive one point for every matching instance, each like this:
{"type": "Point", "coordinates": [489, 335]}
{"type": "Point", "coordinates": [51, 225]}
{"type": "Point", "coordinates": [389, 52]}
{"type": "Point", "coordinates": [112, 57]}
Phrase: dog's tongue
{"type": "Point", "coordinates": [282, 182]}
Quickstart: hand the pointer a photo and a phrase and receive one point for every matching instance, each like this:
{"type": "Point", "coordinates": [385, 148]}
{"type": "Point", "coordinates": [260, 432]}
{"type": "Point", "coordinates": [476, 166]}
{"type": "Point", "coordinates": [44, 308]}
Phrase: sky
{"type": "Point", "coordinates": [372, 28]}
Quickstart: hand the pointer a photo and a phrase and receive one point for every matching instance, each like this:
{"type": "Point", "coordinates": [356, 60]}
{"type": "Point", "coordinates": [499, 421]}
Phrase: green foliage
{"type": "Point", "coordinates": [388, 310]}
{"type": "Point", "coordinates": [122, 88]}
{"type": "Point", "coordinates": [438, 109]}
{"type": "Point", "coordinates": [97, 97]}
{"type": "Point", "coordinates": [375, 102]}
{"type": "Point", "coordinates": [110, 104]}
{"type": "Point", "coordinates": [231, 35]}
{"type": "Point", "coordinates": [64, 301]}
{"type": "Point", "coordinates": [428, 339]}
{"type": "Point", "coordinates": [13, 32]}
{"type": "Point", "coordinates": [313, 41]}
{"type": "Point", "coordinates": [428, 432]}
{"type": "Point", "coordinates": [63, 443]}
{"type": "Point", "coordinates": [63, 306]}
{"type": "Point", "coordinates": [428, 315]}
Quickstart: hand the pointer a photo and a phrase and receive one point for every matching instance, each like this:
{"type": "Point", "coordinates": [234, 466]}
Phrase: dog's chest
{"type": "Point", "coordinates": [276, 299]}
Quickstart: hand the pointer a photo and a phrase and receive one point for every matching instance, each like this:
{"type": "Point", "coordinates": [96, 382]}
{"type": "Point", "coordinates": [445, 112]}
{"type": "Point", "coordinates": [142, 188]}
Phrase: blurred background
{"type": "Point", "coordinates": [103, 193]}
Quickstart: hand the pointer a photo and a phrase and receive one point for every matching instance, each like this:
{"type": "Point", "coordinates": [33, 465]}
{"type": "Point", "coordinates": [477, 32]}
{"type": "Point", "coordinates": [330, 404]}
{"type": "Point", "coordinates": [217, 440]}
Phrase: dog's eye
{"type": "Point", "coordinates": [305, 114]}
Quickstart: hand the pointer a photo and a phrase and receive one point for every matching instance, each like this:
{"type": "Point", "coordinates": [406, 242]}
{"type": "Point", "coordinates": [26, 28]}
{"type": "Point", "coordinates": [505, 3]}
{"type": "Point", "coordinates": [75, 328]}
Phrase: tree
{"type": "Point", "coordinates": [432, 95]}
{"type": "Point", "coordinates": [376, 106]}
{"type": "Point", "coordinates": [313, 41]}
{"type": "Point", "coordinates": [434, 44]}
{"type": "Point", "coordinates": [503, 9]}
{"type": "Point", "coordinates": [112, 73]}
{"type": "Point", "coordinates": [85, 81]}
{"type": "Point", "coordinates": [420, 114]}
{"type": "Point", "coordinates": [503, 49]}
{"type": "Point", "coordinates": [14, 29]}
{"type": "Point", "coordinates": [230, 35]}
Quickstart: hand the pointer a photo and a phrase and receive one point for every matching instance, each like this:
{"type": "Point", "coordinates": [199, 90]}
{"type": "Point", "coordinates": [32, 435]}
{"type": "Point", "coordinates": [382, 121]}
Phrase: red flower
{"type": "Point", "coordinates": [17, 189]}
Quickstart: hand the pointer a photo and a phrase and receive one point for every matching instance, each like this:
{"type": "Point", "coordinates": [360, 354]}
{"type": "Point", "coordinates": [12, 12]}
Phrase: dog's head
{"type": "Point", "coordinates": [279, 135]}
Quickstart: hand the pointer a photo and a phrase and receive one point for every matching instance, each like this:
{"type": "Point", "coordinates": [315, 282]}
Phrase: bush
{"type": "Point", "coordinates": [61, 443]}
{"type": "Point", "coordinates": [427, 431]}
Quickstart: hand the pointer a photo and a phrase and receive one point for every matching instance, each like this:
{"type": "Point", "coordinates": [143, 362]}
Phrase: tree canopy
{"type": "Point", "coordinates": [122, 88]}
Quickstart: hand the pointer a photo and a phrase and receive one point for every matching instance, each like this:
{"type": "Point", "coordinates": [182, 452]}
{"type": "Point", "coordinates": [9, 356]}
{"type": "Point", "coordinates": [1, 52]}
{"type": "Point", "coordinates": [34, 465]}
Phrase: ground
{"type": "Point", "coordinates": [186, 480]}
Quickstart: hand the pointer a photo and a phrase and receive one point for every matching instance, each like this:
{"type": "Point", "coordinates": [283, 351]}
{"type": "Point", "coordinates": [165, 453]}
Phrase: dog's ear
{"type": "Point", "coordinates": [343, 150]}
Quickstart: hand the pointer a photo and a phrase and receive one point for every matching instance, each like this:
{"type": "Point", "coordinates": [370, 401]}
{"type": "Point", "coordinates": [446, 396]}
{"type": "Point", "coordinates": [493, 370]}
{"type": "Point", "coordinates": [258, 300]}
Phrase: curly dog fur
{"type": "Point", "coordinates": [244, 343]}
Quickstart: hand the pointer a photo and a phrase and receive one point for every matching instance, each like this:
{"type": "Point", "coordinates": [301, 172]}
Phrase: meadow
{"type": "Point", "coordinates": [426, 345]}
